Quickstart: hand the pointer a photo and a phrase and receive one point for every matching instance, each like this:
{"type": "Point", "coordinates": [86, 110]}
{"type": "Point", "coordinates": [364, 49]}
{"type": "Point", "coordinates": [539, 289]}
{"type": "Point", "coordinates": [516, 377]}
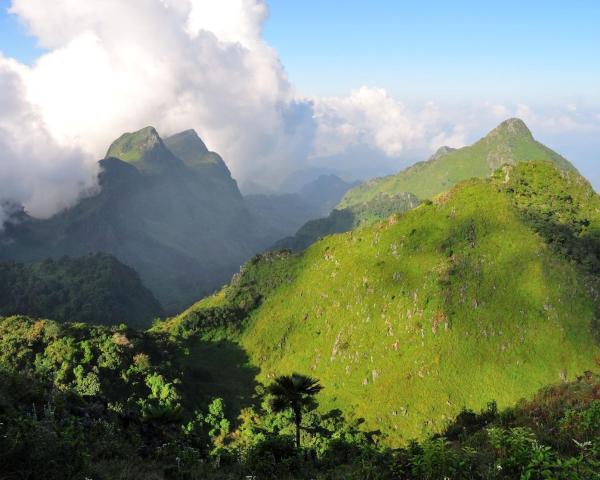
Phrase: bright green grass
{"type": "Point", "coordinates": [510, 142]}
{"type": "Point", "coordinates": [453, 304]}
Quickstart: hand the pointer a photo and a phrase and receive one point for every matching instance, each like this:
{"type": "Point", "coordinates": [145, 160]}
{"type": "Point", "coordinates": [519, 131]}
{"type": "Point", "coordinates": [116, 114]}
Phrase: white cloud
{"type": "Point", "coordinates": [115, 66]}
{"type": "Point", "coordinates": [370, 116]}
{"type": "Point", "coordinates": [34, 170]}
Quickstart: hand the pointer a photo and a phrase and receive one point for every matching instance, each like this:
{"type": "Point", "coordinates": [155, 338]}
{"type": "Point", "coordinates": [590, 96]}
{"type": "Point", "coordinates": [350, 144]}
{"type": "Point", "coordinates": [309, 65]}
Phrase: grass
{"type": "Point", "coordinates": [453, 304]}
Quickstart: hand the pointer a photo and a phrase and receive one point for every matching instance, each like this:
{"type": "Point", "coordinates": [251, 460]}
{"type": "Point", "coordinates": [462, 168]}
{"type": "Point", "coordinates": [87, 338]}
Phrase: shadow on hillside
{"type": "Point", "coordinates": [572, 240]}
{"type": "Point", "coordinates": [338, 221]}
{"type": "Point", "coordinates": [219, 369]}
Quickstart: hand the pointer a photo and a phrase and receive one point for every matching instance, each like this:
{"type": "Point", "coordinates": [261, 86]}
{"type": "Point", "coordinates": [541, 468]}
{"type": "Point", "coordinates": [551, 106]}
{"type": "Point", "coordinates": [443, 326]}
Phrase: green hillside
{"type": "Point", "coordinates": [510, 142]}
{"type": "Point", "coordinates": [80, 401]}
{"type": "Point", "coordinates": [487, 293]}
{"type": "Point", "coordinates": [92, 289]}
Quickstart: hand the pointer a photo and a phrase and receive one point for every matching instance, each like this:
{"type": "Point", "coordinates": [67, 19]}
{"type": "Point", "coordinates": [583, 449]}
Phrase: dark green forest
{"type": "Point", "coordinates": [96, 289]}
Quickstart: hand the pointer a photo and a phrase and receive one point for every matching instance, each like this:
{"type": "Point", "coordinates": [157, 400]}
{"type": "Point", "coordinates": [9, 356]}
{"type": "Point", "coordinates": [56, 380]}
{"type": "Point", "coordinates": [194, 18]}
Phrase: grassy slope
{"type": "Point", "coordinates": [508, 142]}
{"type": "Point", "coordinates": [452, 304]}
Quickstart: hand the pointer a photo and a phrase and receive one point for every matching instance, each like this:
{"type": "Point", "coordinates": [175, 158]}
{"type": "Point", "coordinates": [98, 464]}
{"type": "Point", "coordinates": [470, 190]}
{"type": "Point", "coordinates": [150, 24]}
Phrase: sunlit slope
{"type": "Point", "coordinates": [453, 304]}
{"type": "Point", "coordinates": [511, 142]}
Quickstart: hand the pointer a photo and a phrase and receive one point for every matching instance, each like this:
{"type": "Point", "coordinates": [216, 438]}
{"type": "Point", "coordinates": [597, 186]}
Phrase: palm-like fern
{"type": "Point", "coordinates": [295, 392]}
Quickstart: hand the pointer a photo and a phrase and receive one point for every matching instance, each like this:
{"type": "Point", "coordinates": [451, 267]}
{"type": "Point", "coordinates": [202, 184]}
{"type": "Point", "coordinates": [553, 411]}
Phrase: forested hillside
{"type": "Point", "coordinates": [104, 403]}
{"type": "Point", "coordinates": [94, 289]}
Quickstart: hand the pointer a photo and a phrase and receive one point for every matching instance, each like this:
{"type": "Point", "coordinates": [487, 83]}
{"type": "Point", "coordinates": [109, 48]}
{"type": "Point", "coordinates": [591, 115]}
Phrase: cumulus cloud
{"type": "Point", "coordinates": [116, 66]}
{"type": "Point", "coordinates": [113, 66]}
{"type": "Point", "coordinates": [34, 169]}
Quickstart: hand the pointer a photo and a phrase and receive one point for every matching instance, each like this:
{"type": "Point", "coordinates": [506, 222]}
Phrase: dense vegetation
{"type": "Point", "coordinates": [346, 219]}
{"type": "Point", "coordinates": [102, 403]}
{"type": "Point", "coordinates": [456, 302]}
{"type": "Point", "coordinates": [509, 143]}
{"type": "Point", "coordinates": [91, 289]}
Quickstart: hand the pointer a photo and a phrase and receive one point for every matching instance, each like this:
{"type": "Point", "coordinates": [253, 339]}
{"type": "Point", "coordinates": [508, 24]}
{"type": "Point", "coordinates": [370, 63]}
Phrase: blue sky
{"type": "Point", "coordinates": [519, 51]}
{"type": "Point", "coordinates": [14, 41]}
{"type": "Point", "coordinates": [537, 52]}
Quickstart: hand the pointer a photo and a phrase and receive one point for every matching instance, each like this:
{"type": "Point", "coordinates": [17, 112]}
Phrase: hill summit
{"type": "Point", "coordinates": [510, 142]}
{"type": "Point", "coordinates": [512, 127]}
{"type": "Point", "coordinates": [145, 150]}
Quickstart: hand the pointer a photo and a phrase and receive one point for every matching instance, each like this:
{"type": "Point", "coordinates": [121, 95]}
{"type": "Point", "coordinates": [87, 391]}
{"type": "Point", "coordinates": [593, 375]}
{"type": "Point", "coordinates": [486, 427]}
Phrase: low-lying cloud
{"type": "Point", "coordinates": [113, 66]}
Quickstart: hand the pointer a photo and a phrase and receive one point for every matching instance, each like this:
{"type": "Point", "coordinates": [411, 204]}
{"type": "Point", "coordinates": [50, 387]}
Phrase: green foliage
{"type": "Point", "coordinates": [50, 429]}
{"type": "Point", "coordinates": [408, 321]}
{"type": "Point", "coordinates": [561, 206]}
{"type": "Point", "coordinates": [294, 392]}
{"type": "Point", "coordinates": [225, 312]}
{"type": "Point", "coordinates": [91, 289]}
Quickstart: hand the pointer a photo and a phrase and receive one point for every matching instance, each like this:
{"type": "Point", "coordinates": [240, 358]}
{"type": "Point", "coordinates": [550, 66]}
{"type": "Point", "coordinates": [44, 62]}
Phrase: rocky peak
{"type": "Point", "coordinates": [513, 127]}
{"type": "Point", "coordinates": [188, 138]}
{"type": "Point", "coordinates": [145, 150]}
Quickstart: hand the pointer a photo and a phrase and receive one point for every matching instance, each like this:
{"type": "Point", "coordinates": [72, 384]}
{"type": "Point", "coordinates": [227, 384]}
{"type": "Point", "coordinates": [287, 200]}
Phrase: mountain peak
{"type": "Point", "coordinates": [440, 152]}
{"type": "Point", "coordinates": [131, 146]}
{"type": "Point", "coordinates": [513, 127]}
{"type": "Point", "coordinates": [144, 149]}
{"type": "Point", "coordinates": [190, 148]}
{"type": "Point", "coordinates": [189, 137]}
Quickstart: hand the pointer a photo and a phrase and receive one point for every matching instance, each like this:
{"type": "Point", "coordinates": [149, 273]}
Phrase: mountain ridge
{"type": "Point", "coordinates": [509, 142]}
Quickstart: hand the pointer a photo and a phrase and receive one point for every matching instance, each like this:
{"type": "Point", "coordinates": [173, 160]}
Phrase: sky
{"type": "Point", "coordinates": [514, 51]}
{"type": "Point", "coordinates": [361, 88]}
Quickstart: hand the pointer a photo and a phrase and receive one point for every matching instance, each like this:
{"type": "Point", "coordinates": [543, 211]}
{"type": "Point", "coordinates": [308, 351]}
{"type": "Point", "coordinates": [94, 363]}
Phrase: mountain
{"type": "Point", "coordinates": [287, 212]}
{"type": "Point", "coordinates": [169, 209]}
{"type": "Point", "coordinates": [283, 213]}
{"type": "Point", "coordinates": [190, 148]}
{"type": "Point", "coordinates": [343, 220]}
{"type": "Point", "coordinates": [146, 151]}
{"type": "Point", "coordinates": [376, 199]}
{"type": "Point", "coordinates": [325, 192]}
{"type": "Point", "coordinates": [94, 289]}
{"type": "Point", "coordinates": [510, 142]}
{"type": "Point", "coordinates": [488, 292]}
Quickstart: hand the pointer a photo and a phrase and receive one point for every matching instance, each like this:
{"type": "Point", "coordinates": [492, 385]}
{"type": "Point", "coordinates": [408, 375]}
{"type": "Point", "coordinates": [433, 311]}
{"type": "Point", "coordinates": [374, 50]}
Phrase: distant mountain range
{"type": "Point", "coordinates": [508, 143]}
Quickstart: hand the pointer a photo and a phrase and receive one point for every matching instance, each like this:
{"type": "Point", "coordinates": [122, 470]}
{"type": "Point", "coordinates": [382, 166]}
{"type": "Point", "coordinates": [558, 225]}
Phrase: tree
{"type": "Point", "coordinates": [295, 392]}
